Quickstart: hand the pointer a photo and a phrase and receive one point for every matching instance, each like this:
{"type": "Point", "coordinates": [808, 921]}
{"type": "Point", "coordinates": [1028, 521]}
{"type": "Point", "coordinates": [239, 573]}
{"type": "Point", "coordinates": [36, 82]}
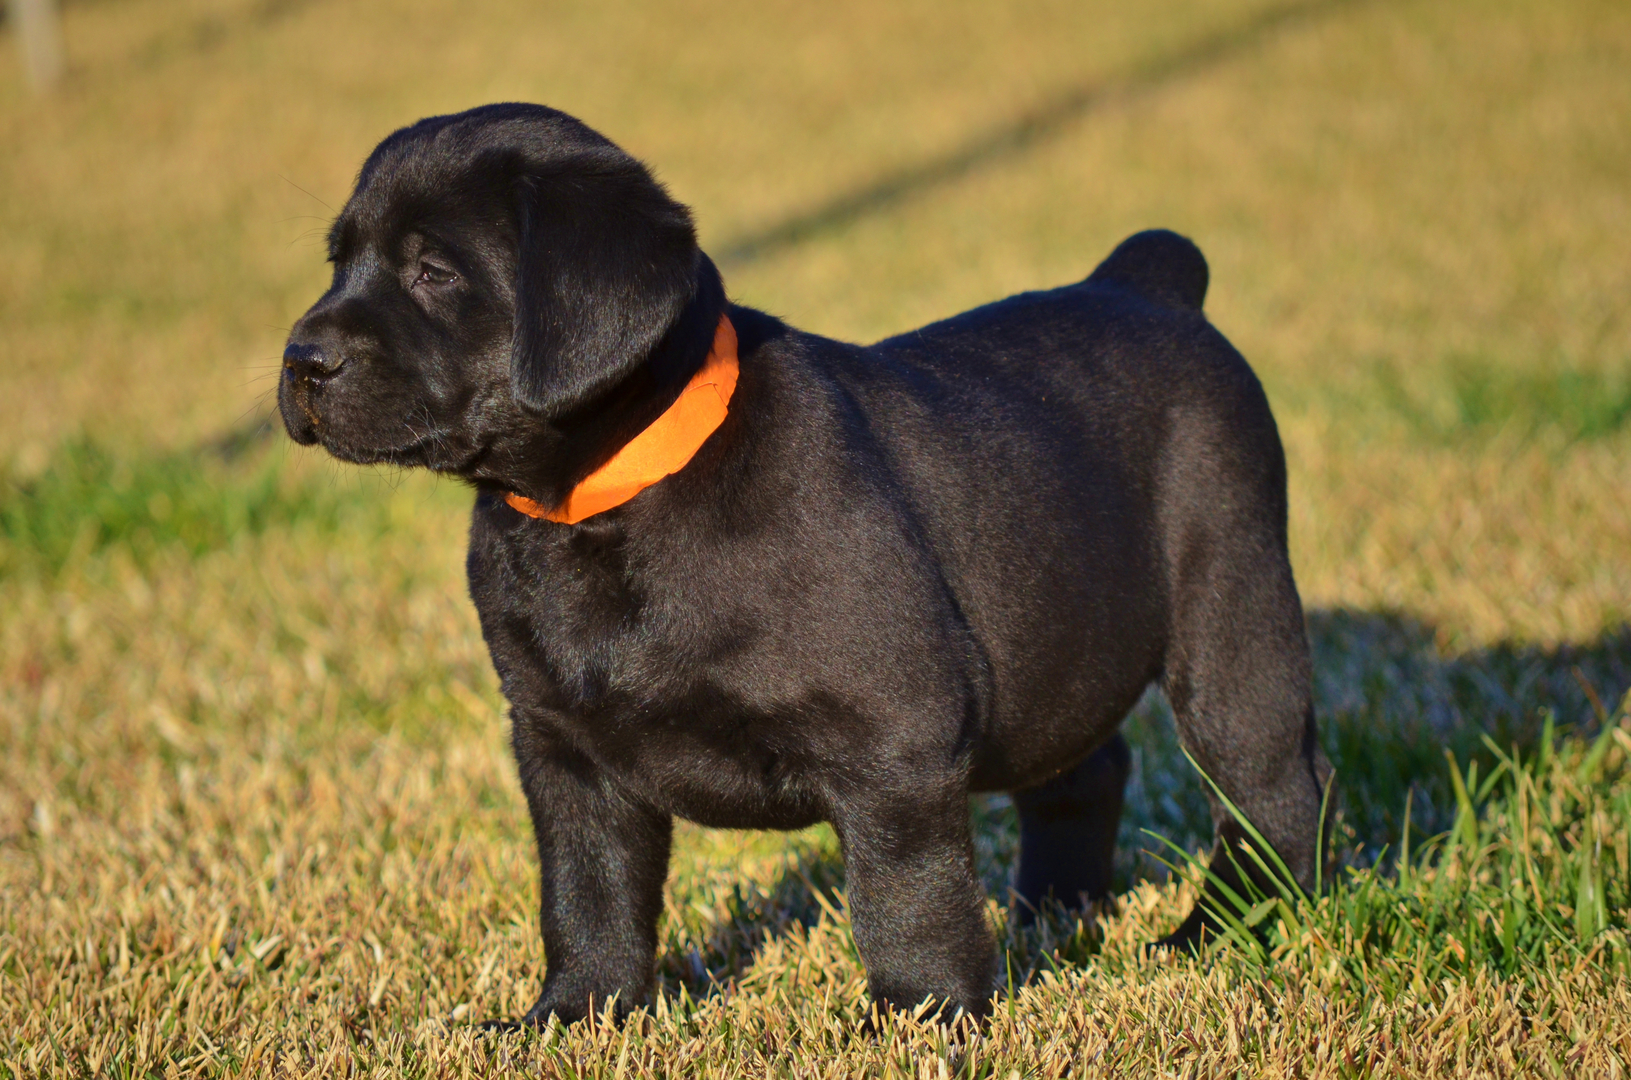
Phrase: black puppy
{"type": "Point", "coordinates": [889, 576]}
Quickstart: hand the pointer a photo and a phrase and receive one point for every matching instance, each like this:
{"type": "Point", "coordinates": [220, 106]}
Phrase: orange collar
{"type": "Point", "coordinates": [662, 448]}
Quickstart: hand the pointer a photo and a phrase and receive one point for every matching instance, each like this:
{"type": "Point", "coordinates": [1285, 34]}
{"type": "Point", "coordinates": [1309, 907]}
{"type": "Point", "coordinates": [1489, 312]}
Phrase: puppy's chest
{"type": "Point", "coordinates": [619, 643]}
{"type": "Point", "coordinates": [568, 622]}
{"type": "Point", "coordinates": [640, 679]}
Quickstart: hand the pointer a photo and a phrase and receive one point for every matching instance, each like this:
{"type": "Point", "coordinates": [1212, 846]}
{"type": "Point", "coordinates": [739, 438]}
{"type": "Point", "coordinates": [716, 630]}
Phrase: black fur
{"type": "Point", "coordinates": [945, 563]}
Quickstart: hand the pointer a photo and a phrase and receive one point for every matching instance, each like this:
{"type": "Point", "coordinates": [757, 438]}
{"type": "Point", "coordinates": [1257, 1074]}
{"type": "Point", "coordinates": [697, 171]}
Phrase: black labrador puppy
{"type": "Point", "coordinates": [868, 581]}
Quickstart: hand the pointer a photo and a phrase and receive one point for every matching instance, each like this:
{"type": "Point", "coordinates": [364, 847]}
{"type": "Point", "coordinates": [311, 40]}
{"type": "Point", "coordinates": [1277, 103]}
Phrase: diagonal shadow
{"type": "Point", "coordinates": [1019, 134]}
{"type": "Point", "coordinates": [198, 36]}
{"type": "Point", "coordinates": [212, 31]}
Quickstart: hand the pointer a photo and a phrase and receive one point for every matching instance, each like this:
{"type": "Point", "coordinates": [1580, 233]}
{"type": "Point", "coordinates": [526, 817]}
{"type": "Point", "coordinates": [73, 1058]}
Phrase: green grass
{"type": "Point", "coordinates": [91, 498]}
{"type": "Point", "coordinates": [1471, 396]}
{"type": "Point", "coordinates": [1528, 873]}
{"type": "Point", "coordinates": [256, 810]}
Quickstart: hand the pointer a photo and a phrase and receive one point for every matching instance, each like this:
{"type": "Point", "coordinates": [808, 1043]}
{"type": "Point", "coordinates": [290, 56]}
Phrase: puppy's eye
{"type": "Point", "coordinates": [431, 274]}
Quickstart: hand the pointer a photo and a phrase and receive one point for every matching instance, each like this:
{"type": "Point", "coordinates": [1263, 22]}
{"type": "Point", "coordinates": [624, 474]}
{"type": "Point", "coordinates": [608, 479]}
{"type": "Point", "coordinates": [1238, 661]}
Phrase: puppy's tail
{"type": "Point", "coordinates": [1158, 265]}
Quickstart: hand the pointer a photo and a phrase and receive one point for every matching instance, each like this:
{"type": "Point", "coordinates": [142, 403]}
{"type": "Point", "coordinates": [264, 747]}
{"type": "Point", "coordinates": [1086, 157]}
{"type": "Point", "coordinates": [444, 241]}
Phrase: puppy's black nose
{"type": "Point", "coordinates": [309, 361]}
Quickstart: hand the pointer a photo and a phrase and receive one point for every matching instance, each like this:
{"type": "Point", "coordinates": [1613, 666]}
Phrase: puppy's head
{"type": "Point", "coordinates": [513, 298]}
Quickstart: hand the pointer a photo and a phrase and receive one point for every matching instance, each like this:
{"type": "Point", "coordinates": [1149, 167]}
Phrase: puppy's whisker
{"type": "Point", "coordinates": [302, 190]}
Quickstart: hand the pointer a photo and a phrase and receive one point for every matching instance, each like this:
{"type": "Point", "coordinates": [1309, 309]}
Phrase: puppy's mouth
{"type": "Point", "coordinates": [310, 420]}
{"type": "Point", "coordinates": [435, 450]}
{"type": "Point", "coordinates": [301, 421]}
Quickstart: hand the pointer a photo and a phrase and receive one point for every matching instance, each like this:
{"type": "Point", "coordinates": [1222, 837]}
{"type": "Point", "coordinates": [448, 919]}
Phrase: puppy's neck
{"type": "Point", "coordinates": [660, 450]}
{"type": "Point", "coordinates": [592, 435]}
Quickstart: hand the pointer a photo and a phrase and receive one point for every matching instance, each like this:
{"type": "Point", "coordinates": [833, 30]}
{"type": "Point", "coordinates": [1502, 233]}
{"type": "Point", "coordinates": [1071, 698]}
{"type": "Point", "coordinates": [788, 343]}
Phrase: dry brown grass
{"type": "Point", "coordinates": [246, 904]}
{"type": "Point", "coordinates": [255, 810]}
{"type": "Point", "coordinates": [319, 898]}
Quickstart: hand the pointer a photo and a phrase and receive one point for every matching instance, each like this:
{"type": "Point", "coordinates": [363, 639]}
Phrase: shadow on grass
{"type": "Point", "coordinates": [1390, 702]}
{"type": "Point", "coordinates": [706, 955]}
{"type": "Point", "coordinates": [1020, 133]}
{"type": "Point", "coordinates": [1391, 705]}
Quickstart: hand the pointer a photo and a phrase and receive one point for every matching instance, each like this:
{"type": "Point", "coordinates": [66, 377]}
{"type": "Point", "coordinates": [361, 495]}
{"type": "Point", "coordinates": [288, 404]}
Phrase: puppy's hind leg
{"type": "Point", "coordinates": [1068, 831]}
{"type": "Point", "coordinates": [1239, 678]}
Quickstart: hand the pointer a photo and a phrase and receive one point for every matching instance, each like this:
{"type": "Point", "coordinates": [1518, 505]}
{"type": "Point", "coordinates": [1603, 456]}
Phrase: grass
{"type": "Point", "coordinates": [90, 499]}
{"type": "Point", "coordinates": [256, 814]}
{"type": "Point", "coordinates": [1476, 397]}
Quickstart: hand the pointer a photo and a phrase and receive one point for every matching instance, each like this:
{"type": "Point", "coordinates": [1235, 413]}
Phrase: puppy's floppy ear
{"type": "Point", "coordinates": [606, 264]}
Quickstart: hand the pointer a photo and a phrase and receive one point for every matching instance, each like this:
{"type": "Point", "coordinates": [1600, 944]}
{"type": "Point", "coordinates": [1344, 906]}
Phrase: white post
{"type": "Point", "coordinates": [40, 37]}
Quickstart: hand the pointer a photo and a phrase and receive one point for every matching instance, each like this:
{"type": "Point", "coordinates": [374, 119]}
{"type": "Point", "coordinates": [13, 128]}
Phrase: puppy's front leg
{"type": "Point", "coordinates": [917, 907]}
{"type": "Point", "coordinates": [602, 860]}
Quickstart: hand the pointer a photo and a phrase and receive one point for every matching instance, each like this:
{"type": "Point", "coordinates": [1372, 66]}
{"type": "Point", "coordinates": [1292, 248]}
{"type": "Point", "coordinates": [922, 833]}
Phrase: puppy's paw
{"type": "Point", "coordinates": [958, 1021]}
{"type": "Point", "coordinates": [505, 1027]}
{"type": "Point", "coordinates": [543, 1013]}
{"type": "Point", "coordinates": [1191, 937]}
{"type": "Point", "coordinates": [558, 1008]}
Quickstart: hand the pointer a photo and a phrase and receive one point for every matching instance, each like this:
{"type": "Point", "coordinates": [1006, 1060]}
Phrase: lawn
{"type": "Point", "coordinates": [256, 810]}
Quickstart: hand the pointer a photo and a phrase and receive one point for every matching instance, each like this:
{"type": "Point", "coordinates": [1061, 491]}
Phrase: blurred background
{"type": "Point", "coordinates": [1397, 197]}
{"type": "Point", "coordinates": [1415, 212]}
